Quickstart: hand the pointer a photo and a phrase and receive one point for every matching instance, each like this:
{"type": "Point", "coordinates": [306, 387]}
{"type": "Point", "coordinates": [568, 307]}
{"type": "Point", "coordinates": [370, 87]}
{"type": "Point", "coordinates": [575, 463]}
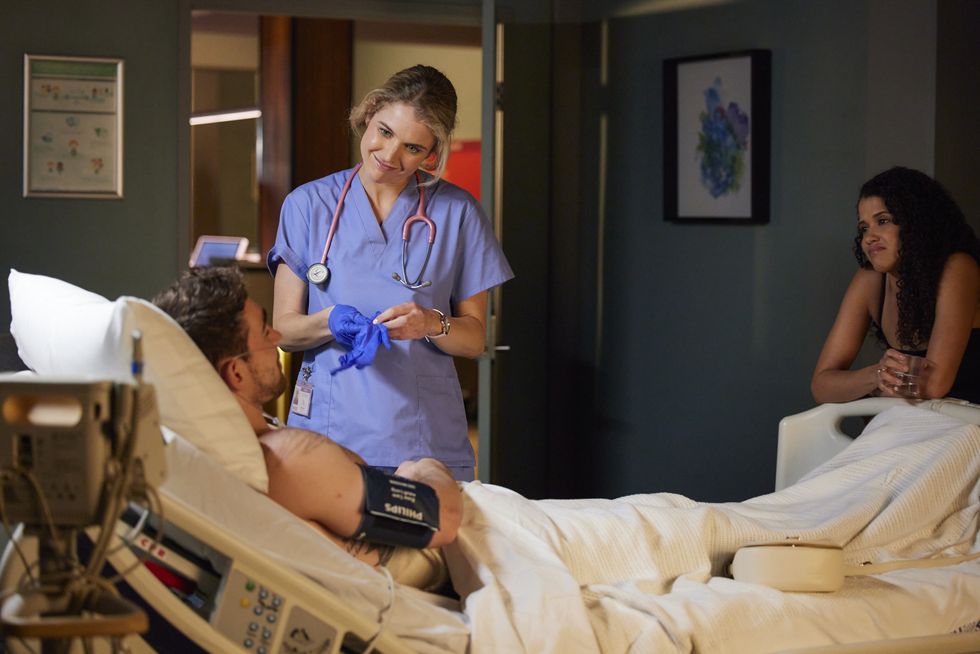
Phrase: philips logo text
{"type": "Point", "coordinates": [403, 511]}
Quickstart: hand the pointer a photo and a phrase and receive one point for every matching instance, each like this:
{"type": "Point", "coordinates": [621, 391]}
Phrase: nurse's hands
{"type": "Point", "coordinates": [409, 321]}
{"type": "Point", "coordinates": [413, 321]}
{"type": "Point", "coordinates": [356, 331]}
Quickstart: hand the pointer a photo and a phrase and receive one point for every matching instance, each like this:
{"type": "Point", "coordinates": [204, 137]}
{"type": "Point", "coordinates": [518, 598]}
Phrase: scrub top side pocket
{"type": "Point", "coordinates": [442, 421]}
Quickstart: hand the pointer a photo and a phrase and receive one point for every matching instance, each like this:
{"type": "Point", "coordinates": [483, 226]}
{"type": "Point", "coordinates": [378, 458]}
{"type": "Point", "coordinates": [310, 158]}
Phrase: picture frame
{"type": "Point", "coordinates": [716, 114]}
{"type": "Point", "coordinates": [73, 127]}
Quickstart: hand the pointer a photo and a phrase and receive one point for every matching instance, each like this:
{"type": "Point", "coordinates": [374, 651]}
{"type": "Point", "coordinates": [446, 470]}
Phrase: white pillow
{"type": "Point", "coordinates": [59, 328]}
{"type": "Point", "coordinates": [64, 330]}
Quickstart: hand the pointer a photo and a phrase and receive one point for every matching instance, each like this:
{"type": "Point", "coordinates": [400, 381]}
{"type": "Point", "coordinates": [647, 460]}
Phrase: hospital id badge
{"type": "Point", "coordinates": [302, 399]}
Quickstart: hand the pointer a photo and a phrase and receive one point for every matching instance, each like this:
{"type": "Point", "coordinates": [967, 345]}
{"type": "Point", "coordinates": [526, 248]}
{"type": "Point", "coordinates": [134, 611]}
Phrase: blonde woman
{"type": "Point", "coordinates": [424, 298]}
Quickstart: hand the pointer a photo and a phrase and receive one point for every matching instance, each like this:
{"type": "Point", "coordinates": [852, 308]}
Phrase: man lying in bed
{"type": "Point", "coordinates": [315, 478]}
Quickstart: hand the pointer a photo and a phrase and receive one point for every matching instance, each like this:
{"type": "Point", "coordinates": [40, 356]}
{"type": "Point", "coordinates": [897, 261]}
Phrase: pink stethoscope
{"type": "Point", "coordinates": [318, 273]}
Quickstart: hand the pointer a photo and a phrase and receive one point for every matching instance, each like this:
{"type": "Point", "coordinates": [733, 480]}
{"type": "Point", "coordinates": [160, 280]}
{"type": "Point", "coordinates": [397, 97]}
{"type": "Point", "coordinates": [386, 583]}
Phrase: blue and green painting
{"type": "Point", "coordinates": [722, 143]}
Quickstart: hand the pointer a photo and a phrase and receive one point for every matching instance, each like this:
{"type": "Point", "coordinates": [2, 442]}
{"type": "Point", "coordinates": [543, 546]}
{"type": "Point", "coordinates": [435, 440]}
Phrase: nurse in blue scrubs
{"type": "Point", "coordinates": [407, 404]}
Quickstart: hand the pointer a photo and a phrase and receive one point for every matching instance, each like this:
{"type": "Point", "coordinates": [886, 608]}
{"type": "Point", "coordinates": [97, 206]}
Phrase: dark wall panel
{"type": "Point", "coordinates": [709, 333]}
{"type": "Point", "coordinates": [112, 247]}
{"type": "Point", "coordinates": [958, 103]}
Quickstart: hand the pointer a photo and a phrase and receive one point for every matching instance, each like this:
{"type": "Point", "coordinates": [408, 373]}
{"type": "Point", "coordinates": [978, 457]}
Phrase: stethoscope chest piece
{"type": "Point", "coordinates": [318, 273]}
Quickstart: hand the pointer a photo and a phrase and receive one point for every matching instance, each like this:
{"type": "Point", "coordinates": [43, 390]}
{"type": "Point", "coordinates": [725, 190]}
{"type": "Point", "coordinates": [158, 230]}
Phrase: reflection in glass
{"type": "Point", "coordinates": [225, 79]}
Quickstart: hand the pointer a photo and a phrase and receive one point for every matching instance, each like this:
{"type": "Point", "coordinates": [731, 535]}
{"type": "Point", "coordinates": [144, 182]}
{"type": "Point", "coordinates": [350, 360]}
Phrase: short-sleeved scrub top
{"type": "Point", "coordinates": [408, 403]}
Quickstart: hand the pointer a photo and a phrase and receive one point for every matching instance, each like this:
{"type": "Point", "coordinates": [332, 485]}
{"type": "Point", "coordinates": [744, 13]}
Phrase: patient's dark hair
{"type": "Point", "coordinates": [931, 228]}
{"type": "Point", "coordinates": [209, 302]}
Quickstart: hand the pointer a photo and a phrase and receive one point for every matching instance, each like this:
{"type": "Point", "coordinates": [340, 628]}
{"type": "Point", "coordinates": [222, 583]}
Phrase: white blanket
{"type": "Point", "coordinates": [646, 573]}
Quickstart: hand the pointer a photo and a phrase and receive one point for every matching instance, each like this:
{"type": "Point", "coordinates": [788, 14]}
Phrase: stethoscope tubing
{"type": "Point", "coordinates": [406, 228]}
{"type": "Point", "coordinates": [336, 214]}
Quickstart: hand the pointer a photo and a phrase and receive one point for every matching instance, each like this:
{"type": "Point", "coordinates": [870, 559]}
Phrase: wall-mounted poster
{"type": "Point", "coordinates": [72, 127]}
{"type": "Point", "coordinates": [716, 138]}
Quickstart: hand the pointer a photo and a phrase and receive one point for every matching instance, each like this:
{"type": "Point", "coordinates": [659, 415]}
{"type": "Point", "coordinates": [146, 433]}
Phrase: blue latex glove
{"type": "Point", "coordinates": [356, 331]}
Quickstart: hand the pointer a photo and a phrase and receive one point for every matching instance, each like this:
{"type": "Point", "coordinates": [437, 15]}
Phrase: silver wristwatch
{"type": "Point", "coordinates": [444, 323]}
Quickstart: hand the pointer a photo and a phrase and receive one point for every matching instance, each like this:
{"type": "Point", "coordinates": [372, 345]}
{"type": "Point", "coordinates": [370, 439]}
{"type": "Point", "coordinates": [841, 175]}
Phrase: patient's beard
{"type": "Point", "coordinates": [269, 386]}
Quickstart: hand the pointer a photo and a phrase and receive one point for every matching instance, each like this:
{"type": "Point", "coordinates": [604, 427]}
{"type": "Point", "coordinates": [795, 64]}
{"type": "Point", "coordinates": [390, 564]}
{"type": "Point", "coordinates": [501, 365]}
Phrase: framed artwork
{"type": "Point", "coordinates": [73, 136]}
{"type": "Point", "coordinates": [716, 138]}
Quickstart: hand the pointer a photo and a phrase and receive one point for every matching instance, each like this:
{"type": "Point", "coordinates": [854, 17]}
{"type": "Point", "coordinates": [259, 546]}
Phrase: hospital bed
{"type": "Point", "coordinates": [206, 590]}
{"type": "Point", "coordinates": [226, 549]}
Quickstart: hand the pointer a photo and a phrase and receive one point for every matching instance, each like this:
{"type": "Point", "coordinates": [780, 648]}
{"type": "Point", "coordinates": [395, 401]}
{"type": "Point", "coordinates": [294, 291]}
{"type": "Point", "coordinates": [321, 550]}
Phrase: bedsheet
{"type": "Point", "coordinates": [646, 573]}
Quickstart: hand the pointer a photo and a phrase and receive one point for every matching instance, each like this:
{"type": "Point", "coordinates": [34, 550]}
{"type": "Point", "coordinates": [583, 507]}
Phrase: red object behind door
{"type": "Point", "coordinates": [463, 168]}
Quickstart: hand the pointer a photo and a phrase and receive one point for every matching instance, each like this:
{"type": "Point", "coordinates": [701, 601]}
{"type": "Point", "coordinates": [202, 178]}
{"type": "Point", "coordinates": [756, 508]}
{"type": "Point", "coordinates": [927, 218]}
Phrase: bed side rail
{"type": "Point", "coordinates": [808, 439]}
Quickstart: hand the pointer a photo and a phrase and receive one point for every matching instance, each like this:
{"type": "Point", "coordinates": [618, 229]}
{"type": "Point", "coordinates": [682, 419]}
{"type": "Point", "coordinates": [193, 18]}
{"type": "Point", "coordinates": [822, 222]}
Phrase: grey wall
{"type": "Point", "coordinates": [710, 332]}
{"type": "Point", "coordinates": [958, 104]}
{"type": "Point", "coordinates": [112, 247]}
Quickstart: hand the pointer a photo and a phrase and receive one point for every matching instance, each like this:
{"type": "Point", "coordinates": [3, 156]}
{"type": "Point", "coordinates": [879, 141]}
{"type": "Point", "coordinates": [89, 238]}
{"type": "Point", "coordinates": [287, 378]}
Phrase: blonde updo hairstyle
{"type": "Point", "coordinates": [430, 94]}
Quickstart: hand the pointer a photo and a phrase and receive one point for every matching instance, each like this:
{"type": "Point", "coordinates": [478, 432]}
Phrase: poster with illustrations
{"type": "Point", "coordinates": [72, 127]}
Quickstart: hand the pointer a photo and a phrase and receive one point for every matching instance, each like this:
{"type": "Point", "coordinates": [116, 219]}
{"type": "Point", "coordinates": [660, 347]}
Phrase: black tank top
{"type": "Point", "coordinates": [966, 386]}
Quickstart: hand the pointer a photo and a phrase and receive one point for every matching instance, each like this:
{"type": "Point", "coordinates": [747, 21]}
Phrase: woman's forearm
{"type": "Point", "coordinates": [466, 338]}
{"type": "Point", "coordinates": [844, 385]}
{"type": "Point", "coordinates": [299, 330]}
{"type": "Point", "coordinates": [302, 332]}
{"type": "Point", "coordinates": [468, 332]}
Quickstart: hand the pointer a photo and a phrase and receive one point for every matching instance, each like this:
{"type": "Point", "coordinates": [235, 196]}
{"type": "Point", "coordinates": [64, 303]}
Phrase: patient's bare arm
{"type": "Point", "coordinates": [433, 473]}
{"type": "Point", "coordinates": [314, 478]}
{"type": "Point", "coordinates": [318, 480]}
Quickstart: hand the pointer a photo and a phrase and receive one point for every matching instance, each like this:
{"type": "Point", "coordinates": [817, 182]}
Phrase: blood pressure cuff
{"type": "Point", "coordinates": [397, 511]}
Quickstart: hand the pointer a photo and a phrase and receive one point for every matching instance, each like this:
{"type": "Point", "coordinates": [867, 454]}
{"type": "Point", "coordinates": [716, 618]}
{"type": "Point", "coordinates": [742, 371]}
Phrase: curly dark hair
{"type": "Point", "coordinates": [208, 302]}
{"type": "Point", "coordinates": [931, 228]}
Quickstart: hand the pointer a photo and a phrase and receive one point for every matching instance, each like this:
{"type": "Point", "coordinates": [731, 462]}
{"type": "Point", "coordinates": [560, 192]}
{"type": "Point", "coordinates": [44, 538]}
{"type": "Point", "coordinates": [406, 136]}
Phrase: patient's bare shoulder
{"type": "Point", "coordinates": [314, 478]}
{"type": "Point", "coordinates": [290, 441]}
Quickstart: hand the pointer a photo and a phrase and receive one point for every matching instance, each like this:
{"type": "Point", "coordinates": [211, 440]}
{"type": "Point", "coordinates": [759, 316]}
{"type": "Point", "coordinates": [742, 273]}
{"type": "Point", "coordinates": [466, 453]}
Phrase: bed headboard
{"type": "Point", "coordinates": [9, 359]}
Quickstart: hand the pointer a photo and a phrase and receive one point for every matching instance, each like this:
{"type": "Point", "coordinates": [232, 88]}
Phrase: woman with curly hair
{"type": "Point", "coordinates": [918, 286]}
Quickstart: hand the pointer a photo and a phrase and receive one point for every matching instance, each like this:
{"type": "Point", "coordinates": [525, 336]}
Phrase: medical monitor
{"type": "Point", "coordinates": [218, 249]}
